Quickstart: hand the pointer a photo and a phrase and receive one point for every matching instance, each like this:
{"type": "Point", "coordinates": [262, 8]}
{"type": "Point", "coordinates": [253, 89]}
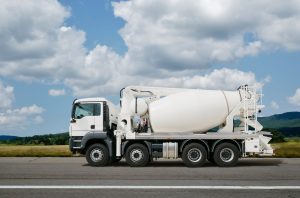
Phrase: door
{"type": "Point", "coordinates": [98, 116]}
{"type": "Point", "coordinates": [86, 117]}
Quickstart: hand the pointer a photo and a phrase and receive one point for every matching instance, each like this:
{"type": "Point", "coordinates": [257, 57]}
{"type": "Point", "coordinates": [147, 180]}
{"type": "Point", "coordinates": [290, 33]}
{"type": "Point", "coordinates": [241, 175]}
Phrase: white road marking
{"type": "Point", "coordinates": [152, 187]}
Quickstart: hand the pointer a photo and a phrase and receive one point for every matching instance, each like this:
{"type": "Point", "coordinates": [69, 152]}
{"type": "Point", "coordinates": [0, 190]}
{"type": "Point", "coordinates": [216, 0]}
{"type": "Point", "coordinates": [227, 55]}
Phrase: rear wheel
{"type": "Point", "coordinates": [97, 155]}
{"type": "Point", "coordinates": [194, 155]}
{"type": "Point", "coordinates": [226, 154]}
{"type": "Point", "coordinates": [137, 155]}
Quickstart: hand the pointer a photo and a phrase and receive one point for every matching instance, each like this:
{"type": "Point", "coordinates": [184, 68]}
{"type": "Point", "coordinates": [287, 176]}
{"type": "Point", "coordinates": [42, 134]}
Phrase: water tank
{"type": "Point", "coordinates": [138, 106]}
{"type": "Point", "coordinates": [192, 111]}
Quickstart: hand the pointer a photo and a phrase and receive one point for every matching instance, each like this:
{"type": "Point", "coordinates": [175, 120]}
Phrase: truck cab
{"type": "Point", "coordinates": [92, 120]}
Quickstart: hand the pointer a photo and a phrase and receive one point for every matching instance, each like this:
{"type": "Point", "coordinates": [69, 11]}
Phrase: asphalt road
{"type": "Point", "coordinates": [66, 173]}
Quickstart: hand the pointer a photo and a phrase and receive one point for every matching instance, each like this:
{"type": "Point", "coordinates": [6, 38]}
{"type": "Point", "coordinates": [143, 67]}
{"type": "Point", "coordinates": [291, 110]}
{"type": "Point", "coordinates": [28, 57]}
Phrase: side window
{"type": "Point", "coordinates": [97, 109]}
{"type": "Point", "coordinates": [88, 109]}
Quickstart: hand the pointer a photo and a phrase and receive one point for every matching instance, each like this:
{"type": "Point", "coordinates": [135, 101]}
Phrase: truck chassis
{"type": "Point", "coordinates": [223, 149]}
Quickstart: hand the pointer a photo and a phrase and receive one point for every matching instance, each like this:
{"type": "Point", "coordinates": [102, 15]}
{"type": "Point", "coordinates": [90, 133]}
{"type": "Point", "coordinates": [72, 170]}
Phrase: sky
{"type": "Point", "coordinates": [54, 51]}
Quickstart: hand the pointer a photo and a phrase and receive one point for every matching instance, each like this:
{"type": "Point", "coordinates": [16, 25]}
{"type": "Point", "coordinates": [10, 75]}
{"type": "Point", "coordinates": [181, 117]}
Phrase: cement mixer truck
{"type": "Point", "coordinates": [195, 125]}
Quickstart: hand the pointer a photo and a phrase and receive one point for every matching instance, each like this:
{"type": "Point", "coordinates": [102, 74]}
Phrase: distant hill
{"type": "Point", "coordinates": [286, 123]}
{"type": "Point", "coordinates": [7, 137]}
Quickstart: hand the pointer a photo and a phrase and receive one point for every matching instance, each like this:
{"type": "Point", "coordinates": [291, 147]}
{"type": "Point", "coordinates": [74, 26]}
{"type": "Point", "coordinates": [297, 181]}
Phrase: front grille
{"type": "Point", "coordinates": [77, 137]}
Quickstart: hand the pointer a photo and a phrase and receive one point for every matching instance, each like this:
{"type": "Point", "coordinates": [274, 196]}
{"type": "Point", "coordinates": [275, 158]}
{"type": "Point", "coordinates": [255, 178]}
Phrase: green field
{"type": "Point", "coordinates": [291, 148]}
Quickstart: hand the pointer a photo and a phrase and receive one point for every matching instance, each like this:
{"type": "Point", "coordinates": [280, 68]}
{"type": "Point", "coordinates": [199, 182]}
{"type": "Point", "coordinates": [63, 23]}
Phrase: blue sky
{"type": "Point", "coordinates": [55, 51]}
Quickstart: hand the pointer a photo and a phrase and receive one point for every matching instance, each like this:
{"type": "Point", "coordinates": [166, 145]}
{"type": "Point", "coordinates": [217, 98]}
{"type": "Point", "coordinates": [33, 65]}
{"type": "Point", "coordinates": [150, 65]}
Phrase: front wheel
{"type": "Point", "coordinates": [97, 155]}
{"type": "Point", "coordinates": [226, 154]}
{"type": "Point", "coordinates": [194, 155]}
{"type": "Point", "coordinates": [137, 155]}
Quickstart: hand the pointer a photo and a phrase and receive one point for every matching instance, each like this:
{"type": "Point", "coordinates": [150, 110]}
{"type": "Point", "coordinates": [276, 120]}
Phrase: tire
{"type": "Point", "coordinates": [226, 155]}
{"type": "Point", "coordinates": [137, 155]}
{"type": "Point", "coordinates": [194, 155]}
{"type": "Point", "coordinates": [97, 155]}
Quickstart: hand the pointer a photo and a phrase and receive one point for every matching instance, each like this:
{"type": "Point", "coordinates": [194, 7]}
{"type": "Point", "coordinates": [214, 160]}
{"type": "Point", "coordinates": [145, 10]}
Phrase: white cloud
{"type": "Point", "coordinates": [56, 92]}
{"type": "Point", "coordinates": [38, 119]}
{"type": "Point", "coordinates": [179, 35]}
{"type": "Point", "coordinates": [173, 44]}
{"type": "Point", "coordinates": [6, 96]}
{"type": "Point", "coordinates": [295, 99]}
{"type": "Point", "coordinates": [101, 73]}
{"type": "Point", "coordinates": [218, 79]}
{"type": "Point", "coordinates": [267, 79]}
{"type": "Point", "coordinates": [16, 118]}
{"type": "Point", "coordinates": [29, 31]}
{"type": "Point", "coordinates": [13, 119]}
{"type": "Point", "coordinates": [26, 111]}
{"type": "Point", "coordinates": [35, 44]}
{"type": "Point", "coordinates": [274, 105]}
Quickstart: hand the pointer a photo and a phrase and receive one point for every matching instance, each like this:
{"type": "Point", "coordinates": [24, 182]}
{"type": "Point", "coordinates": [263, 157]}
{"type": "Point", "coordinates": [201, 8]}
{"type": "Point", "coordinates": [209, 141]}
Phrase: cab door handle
{"type": "Point", "coordinates": [93, 126]}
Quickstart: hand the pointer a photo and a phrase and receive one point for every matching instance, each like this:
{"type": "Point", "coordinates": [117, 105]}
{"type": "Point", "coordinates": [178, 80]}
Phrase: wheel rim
{"type": "Point", "coordinates": [96, 155]}
{"type": "Point", "coordinates": [194, 155]}
{"type": "Point", "coordinates": [136, 155]}
{"type": "Point", "coordinates": [226, 154]}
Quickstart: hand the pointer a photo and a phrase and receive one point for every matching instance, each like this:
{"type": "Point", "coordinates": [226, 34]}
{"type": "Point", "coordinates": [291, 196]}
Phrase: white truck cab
{"type": "Point", "coordinates": [92, 115]}
{"type": "Point", "coordinates": [91, 118]}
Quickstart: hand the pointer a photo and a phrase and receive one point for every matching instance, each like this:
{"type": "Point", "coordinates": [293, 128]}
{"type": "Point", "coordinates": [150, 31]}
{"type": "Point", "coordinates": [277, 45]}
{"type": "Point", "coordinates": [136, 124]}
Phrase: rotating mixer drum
{"type": "Point", "coordinates": [192, 111]}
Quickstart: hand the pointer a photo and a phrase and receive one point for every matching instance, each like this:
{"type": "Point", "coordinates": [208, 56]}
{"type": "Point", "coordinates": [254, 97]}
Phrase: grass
{"type": "Point", "coordinates": [34, 151]}
{"type": "Point", "coordinates": [291, 148]}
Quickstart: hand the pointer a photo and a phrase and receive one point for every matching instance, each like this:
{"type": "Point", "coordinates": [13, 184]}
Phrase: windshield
{"type": "Point", "coordinates": [81, 110]}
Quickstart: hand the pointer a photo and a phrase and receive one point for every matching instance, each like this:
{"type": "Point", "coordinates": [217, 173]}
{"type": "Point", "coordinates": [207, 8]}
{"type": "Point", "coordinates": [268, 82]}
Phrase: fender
{"type": "Point", "coordinates": [147, 143]}
{"type": "Point", "coordinates": [198, 140]}
{"type": "Point", "coordinates": [92, 135]}
{"type": "Point", "coordinates": [98, 135]}
{"type": "Point", "coordinates": [228, 140]}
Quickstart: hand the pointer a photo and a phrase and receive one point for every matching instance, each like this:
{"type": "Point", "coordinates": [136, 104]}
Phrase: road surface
{"type": "Point", "coordinates": [72, 177]}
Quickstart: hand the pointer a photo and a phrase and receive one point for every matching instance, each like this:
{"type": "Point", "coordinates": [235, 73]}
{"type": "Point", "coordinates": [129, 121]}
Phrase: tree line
{"type": "Point", "coordinates": [49, 139]}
